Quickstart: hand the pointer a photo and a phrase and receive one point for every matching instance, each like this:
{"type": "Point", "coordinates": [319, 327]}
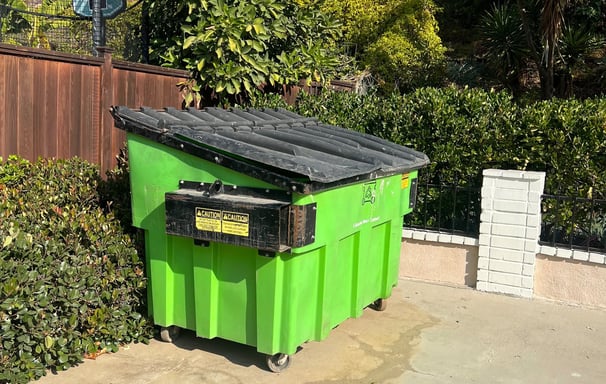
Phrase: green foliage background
{"type": "Point", "coordinates": [71, 281]}
{"type": "Point", "coordinates": [464, 131]}
{"type": "Point", "coordinates": [232, 47]}
{"type": "Point", "coordinates": [397, 40]}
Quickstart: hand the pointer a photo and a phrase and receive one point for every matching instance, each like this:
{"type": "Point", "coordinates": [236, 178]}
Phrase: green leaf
{"type": "Point", "coordinates": [200, 65]}
{"type": "Point", "coordinates": [233, 45]}
{"type": "Point", "coordinates": [7, 241]}
{"type": "Point", "coordinates": [247, 85]}
{"type": "Point", "coordinates": [62, 358]}
{"type": "Point", "coordinates": [257, 46]}
{"type": "Point", "coordinates": [259, 28]}
{"type": "Point", "coordinates": [189, 41]}
{"type": "Point", "coordinates": [48, 342]}
{"type": "Point", "coordinates": [220, 87]}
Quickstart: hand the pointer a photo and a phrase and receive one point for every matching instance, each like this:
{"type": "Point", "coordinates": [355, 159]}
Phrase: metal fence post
{"type": "Point", "coordinates": [98, 27]}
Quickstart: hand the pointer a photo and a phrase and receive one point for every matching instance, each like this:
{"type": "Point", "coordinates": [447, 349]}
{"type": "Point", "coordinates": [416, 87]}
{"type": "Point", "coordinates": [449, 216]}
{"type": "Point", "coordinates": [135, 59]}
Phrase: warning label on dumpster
{"type": "Point", "coordinates": [214, 220]}
{"type": "Point", "coordinates": [405, 181]}
{"type": "Point", "coordinates": [208, 219]}
{"type": "Point", "coordinates": [235, 223]}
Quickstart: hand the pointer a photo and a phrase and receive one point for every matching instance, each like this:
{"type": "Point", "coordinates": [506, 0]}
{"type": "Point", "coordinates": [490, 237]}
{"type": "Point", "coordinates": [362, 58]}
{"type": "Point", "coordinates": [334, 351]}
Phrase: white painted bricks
{"type": "Point", "coordinates": [437, 237]}
{"type": "Point", "coordinates": [509, 230]}
{"type": "Point", "coordinates": [576, 254]}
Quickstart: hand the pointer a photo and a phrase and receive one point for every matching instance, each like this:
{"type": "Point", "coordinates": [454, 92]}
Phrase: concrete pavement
{"type": "Point", "coordinates": [429, 334]}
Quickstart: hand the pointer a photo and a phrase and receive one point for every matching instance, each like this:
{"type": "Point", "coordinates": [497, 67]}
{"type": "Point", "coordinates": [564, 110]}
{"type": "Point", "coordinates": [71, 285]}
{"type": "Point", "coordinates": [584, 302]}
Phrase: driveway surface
{"type": "Point", "coordinates": [428, 334]}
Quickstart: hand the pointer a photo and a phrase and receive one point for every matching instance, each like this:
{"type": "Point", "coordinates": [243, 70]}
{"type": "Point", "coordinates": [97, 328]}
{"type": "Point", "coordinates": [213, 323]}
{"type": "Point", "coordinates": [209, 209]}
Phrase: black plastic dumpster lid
{"type": "Point", "coordinates": [274, 145]}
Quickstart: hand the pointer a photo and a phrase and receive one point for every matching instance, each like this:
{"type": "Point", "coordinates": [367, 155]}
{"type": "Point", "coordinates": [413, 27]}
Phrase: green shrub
{"type": "Point", "coordinates": [71, 282]}
{"type": "Point", "coordinates": [464, 131]}
{"type": "Point", "coordinates": [397, 40]}
{"type": "Point", "coordinates": [233, 47]}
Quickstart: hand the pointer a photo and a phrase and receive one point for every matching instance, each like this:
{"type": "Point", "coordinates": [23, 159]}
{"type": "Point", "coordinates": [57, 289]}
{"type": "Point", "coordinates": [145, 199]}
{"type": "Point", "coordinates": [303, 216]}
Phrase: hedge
{"type": "Point", "coordinates": [464, 131]}
{"type": "Point", "coordinates": [71, 281]}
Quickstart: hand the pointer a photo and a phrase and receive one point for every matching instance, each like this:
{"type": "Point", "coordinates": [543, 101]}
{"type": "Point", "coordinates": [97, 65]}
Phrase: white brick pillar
{"type": "Point", "coordinates": [510, 225]}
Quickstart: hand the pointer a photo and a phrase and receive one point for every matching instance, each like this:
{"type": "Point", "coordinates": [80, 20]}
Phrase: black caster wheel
{"type": "Point", "coordinates": [379, 305]}
{"type": "Point", "coordinates": [169, 334]}
{"type": "Point", "coordinates": [278, 362]}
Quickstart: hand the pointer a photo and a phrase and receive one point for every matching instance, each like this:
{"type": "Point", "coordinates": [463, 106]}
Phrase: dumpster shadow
{"type": "Point", "coordinates": [236, 353]}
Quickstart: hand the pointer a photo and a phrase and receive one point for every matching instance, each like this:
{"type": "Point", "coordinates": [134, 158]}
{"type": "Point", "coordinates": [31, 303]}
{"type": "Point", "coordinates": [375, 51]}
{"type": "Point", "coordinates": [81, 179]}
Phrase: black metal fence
{"type": "Point", "coordinates": [573, 222]}
{"type": "Point", "coordinates": [567, 221]}
{"type": "Point", "coordinates": [446, 207]}
{"type": "Point", "coordinates": [53, 25]}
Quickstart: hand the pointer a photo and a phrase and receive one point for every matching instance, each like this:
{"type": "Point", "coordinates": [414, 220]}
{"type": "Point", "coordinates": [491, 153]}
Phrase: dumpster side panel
{"type": "Point", "coordinates": [353, 262]}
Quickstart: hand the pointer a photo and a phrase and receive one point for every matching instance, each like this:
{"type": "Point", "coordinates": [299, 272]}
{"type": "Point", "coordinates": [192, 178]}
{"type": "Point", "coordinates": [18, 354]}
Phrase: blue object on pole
{"type": "Point", "coordinates": [109, 8]}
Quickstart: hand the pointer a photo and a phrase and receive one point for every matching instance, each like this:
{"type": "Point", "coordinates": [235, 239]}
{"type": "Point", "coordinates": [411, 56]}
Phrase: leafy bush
{"type": "Point", "coordinates": [464, 131]}
{"type": "Point", "coordinates": [234, 46]}
{"type": "Point", "coordinates": [504, 43]}
{"type": "Point", "coordinates": [396, 39]}
{"type": "Point", "coordinates": [71, 282]}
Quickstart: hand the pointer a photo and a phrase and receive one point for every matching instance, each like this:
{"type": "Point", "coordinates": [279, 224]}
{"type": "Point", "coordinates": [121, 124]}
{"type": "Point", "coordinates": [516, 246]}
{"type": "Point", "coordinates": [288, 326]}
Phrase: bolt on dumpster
{"type": "Point", "coordinates": [264, 227]}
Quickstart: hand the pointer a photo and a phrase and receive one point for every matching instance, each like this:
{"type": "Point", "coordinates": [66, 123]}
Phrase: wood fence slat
{"type": "Point", "coordinates": [3, 127]}
{"type": "Point", "coordinates": [171, 98]}
{"type": "Point", "coordinates": [51, 102]}
{"type": "Point", "coordinates": [39, 111]}
{"type": "Point", "coordinates": [11, 101]}
{"type": "Point", "coordinates": [63, 111]}
{"type": "Point", "coordinates": [106, 156]}
{"type": "Point", "coordinates": [75, 130]}
{"type": "Point", "coordinates": [94, 121]}
{"type": "Point", "coordinates": [25, 105]}
{"type": "Point", "coordinates": [84, 122]}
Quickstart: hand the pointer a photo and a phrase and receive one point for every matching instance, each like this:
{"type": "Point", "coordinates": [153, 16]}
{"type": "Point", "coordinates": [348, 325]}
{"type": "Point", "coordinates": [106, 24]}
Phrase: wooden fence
{"type": "Point", "coordinates": [57, 105]}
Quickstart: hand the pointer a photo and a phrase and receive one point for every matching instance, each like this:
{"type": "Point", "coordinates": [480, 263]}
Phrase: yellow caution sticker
{"type": "Point", "coordinates": [235, 223]}
{"type": "Point", "coordinates": [405, 181]}
{"type": "Point", "coordinates": [214, 220]}
{"type": "Point", "coordinates": [208, 220]}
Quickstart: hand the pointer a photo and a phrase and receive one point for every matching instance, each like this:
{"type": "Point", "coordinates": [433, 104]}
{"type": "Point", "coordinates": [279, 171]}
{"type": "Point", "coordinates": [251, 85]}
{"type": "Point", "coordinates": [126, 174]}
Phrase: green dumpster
{"type": "Point", "coordinates": [264, 227]}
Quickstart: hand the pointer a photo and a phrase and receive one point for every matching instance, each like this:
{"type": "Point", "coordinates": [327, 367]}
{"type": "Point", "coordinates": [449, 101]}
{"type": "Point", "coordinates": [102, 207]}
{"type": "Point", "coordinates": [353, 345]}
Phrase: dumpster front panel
{"type": "Point", "coordinates": [354, 261]}
{"type": "Point", "coordinates": [156, 169]}
{"type": "Point", "coordinates": [225, 286]}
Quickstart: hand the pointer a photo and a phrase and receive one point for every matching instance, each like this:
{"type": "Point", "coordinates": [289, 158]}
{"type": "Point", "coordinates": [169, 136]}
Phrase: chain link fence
{"type": "Point", "coordinates": [53, 25]}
